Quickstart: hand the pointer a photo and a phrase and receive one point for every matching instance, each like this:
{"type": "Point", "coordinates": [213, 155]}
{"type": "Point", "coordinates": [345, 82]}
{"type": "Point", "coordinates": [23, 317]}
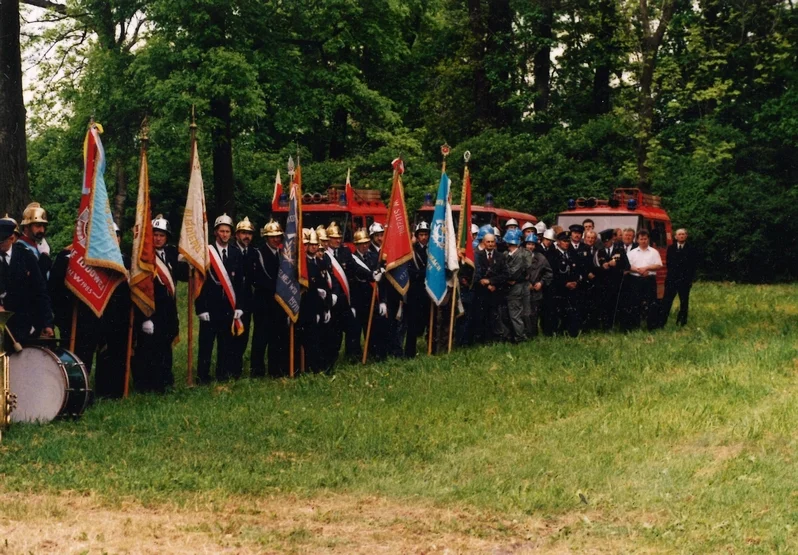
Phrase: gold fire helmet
{"type": "Point", "coordinates": [271, 229]}
{"type": "Point", "coordinates": [245, 225]}
{"type": "Point", "coordinates": [322, 233]}
{"type": "Point", "coordinates": [361, 236]}
{"type": "Point", "coordinates": [34, 214]}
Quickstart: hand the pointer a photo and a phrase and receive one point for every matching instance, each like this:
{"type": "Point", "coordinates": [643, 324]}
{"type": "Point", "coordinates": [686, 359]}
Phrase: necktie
{"type": "Point", "coordinates": [224, 256]}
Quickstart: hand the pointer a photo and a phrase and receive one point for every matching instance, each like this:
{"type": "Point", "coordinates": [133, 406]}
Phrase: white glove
{"type": "Point", "coordinates": [354, 314]}
{"type": "Point", "coordinates": [317, 318]}
{"type": "Point", "coordinates": [399, 312]}
{"type": "Point", "coordinates": [334, 298]}
{"type": "Point", "coordinates": [378, 275]}
{"type": "Point", "coordinates": [238, 314]}
{"type": "Point", "coordinates": [148, 327]}
{"type": "Point", "coordinates": [44, 248]}
{"type": "Point", "coordinates": [322, 293]}
{"type": "Point", "coordinates": [327, 317]}
{"type": "Point", "coordinates": [383, 309]}
{"type": "Point", "coordinates": [205, 316]}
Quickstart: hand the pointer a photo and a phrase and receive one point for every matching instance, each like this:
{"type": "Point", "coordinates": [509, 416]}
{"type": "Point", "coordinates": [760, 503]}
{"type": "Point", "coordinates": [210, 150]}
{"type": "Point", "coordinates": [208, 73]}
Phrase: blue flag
{"type": "Point", "coordinates": [442, 250]}
{"type": "Point", "coordinates": [288, 291]}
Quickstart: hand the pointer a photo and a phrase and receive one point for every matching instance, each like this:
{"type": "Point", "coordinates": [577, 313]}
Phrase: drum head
{"type": "Point", "coordinates": [37, 378]}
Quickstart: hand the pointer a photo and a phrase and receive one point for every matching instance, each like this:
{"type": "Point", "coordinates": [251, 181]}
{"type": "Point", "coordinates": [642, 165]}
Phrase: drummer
{"type": "Point", "coordinates": [23, 289]}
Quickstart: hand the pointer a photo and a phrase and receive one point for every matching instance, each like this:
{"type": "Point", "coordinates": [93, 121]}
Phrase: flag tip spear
{"type": "Point", "coordinates": [193, 118]}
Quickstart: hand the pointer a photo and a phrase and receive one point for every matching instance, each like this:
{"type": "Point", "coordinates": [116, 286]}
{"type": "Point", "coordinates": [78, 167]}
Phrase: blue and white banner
{"type": "Point", "coordinates": [442, 250]}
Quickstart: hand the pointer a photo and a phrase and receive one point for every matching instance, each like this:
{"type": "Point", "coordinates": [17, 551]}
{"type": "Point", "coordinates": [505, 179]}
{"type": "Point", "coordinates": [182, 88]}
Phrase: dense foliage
{"type": "Point", "coordinates": [553, 99]}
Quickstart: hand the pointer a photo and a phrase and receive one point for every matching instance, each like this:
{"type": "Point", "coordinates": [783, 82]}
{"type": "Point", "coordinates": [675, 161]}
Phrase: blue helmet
{"type": "Point", "coordinates": [531, 238]}
{"type": "Point", "coordinates": [484, 230]}
{"type": "Point", "coordinates": [512, 237]}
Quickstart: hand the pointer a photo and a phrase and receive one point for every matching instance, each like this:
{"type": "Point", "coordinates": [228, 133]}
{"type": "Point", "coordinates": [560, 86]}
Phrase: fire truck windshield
{"type": "Point", "coordinates": [601, 221]}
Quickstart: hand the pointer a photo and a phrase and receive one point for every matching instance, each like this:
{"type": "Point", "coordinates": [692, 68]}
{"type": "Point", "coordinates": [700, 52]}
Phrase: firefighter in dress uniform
{"type": "Point", "coordinates": [156, 334]}
{"type": "Point", "coordinates": [246, 301]}
{"type": "Point", "coordinates": [567, 277]}
{"type": "Point", "coordinates": [216, 305]}
{"type": "Point", "coordinates": [271, 326]}
{"type": "Point", "coordinates": [314, 308]}
{"type": "Point", "coordinates": [364, 285]}
{"type": "Point", "coordinates": [23, 289]}
{"type": "Point", "coordinates": [612, 263]}
{"type": "Point", "coordinates": [34, 228]}
{"type": "Point", "coordinates": [417, 312]}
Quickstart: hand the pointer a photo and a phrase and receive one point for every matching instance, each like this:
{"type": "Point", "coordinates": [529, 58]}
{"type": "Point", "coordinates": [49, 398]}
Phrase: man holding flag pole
{"type": "Point", "coordinates": [442, 260]}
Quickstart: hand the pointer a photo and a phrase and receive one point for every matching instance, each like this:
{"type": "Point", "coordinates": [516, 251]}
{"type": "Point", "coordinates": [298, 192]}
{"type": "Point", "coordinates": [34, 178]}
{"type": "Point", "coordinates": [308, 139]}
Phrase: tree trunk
{"type": "Point", "coordinates": [14, 187]}
{"type": "Point", "coordinates": [649, 47]}
{"type": "Point", "coordinates": [542, 61]}
{"type": "Point", "coordinates": [500, 57]}
{"type": "Point", "coordinates": [338, 139]}
{"type": "Point", "coordinates": [481, 90]}
{"type": "Point", "coordinates": [121, 194]}
{"type": "Point", "coordinates": [223, 184]}
{"type": "Point", "coordinates": [608, 15]}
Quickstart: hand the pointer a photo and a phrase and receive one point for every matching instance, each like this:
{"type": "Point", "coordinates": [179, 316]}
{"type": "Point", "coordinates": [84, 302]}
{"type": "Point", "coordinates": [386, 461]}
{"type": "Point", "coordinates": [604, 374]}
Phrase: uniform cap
{"type": "Point", "coordinates": [361, 236]}
{"type": "Point", "coordinates": [333, 231]}
{"type": "Point", "coordinates": [549, 234]}
{"type": "Point", "coordinates": [224, 219]}
{"type": "Point", "coordinates": [511, 221]}
{"type": "Point", "coordinates": [245, 225]}
{"type": "Point", "coordinates": [607, 234]}
{"type": "Point", "coordinates": [271, 229]}
{"type": "Point", "coordinates": [422, 226]}
{"type": "Point", "coordinates": [576, 228]}
{"type": "Point", "coordinates": [376, 228]}
{"type": "Point", "coordinates": [161, 224]}
{"type": "Point", "coordinates": [7, 227]}
{"type": "Point", "coordinates": [563, 236]}
{"type": "Point", "coordinates": [34, 214]}
{"type": "Point", "coordinates": [8, 218]}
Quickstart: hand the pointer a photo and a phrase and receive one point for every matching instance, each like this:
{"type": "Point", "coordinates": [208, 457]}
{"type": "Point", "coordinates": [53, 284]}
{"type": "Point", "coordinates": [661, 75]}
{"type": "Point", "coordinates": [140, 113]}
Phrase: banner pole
{"type": "Point", "coordinates": [128, 355]}
{"type": "Point", "coordinates": [189, 368]}
{"type": "Point", "coordinates": [451, 317]}
{"type": "Point", "coordinates": [368, 328]}
{"type": "Point", "coordinates": [429, 329]}
{"type": "Point", "coordinates": [74, 327]}
{"type": "Point", "coordinates": [291, 353]}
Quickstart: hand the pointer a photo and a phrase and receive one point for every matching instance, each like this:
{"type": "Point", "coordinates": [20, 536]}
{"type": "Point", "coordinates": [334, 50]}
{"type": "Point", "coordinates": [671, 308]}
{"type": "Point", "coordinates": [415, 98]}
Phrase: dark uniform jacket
{"type": "Point", "coordinates": [681, 263]}
{"type": "Point", "coordinates": [494, 270]}
{"type": "Point", "coordinates": [417, 269]}
{"type": "Point", "coordinates": [212, 298]}
{"type": "Point", "coordinates": [250, 260]}
{"type": "Point", "coordinates": [313, 307]}
{"type": "Point", "coordinates": [539, 270]}
{"type": "Point", "coordinates": [165, 318]}
{"type": "Point", "coordinates": [25, 294]}
{"type": "Point", "coordinates": [566, 268]}
{"type": "Point", "coordinates": [612, 275]}
{"type": "Point", "coordinates": [43, 260]}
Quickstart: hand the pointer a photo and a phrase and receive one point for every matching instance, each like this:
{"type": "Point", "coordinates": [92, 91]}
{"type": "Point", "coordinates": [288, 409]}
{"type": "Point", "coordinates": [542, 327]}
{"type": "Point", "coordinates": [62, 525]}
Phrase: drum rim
{"type": "Point", "coordinates": [61, 365]}
{"type": "Point", "coordinates": [87, 390]}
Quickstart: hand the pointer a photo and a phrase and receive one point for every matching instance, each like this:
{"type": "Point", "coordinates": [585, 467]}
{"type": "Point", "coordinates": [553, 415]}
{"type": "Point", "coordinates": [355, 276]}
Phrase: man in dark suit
{"type": "Point", "coordinates": [567, 277]}
{"type": "Point", "coordinates": [363, 290]}
{"type": "Point", "coordinates": [271, 327]}
{"type": "Point", "coordinates": [682, 261]}
{"type": "Point", "coordinates": [417, 312]}
{"type": "Point", "coordinates": [612, 263]}
{"type": "Point", "coordinates": [490, 281]}
{"type": "Point", "coordinates": [217, 306]}
{"type": "Point", "coordinates": [156, 334]}
{"type": "Point", "coordinates": [249, 264]}
{"type": "Point", "coordinates": [23, 289]}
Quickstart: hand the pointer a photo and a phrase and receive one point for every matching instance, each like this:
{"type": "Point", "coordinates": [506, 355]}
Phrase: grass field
{"type": "Point", "coordinates": [683, 440]}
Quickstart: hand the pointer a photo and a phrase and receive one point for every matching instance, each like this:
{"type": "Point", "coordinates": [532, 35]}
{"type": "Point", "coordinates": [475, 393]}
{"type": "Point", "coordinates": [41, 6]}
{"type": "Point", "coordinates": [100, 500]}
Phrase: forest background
{"type": "Point", "coordinates": [555, 99]}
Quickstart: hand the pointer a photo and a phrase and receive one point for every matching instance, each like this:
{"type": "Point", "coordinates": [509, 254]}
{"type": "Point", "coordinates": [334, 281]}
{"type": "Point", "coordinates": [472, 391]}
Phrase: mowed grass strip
{"type": "Point", "coordinates": [684, 439]}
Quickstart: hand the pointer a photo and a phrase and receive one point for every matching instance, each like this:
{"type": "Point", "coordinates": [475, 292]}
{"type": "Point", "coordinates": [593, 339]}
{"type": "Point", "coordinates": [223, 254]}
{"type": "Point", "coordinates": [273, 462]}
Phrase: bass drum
{"type": "Point", "coordinates": [48, 384]}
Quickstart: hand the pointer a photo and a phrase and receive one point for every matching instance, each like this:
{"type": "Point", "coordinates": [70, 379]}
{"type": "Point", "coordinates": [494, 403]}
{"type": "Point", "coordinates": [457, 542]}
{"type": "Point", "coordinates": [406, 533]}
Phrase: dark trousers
{"type": "Point", "coordinates": [239, 347]}
{"type": "Point", "coordinates": [610, 302]}
{"type": "Point", "coordinates": [531, 314]}
{"type": "Point", "coordinates": [548, 313]}
{"type": "Point", "coordinates": [641, 304]}
{"type": "Point", "coordinates": [152, 365]}
{"type": "Point", "coordinates": [568, 317]}
{"type": "Point", "coordinates": [671, 290]}
{"type": "Point", "coordinates": [215, 331]}
{"type": "Point", "coordinates": [417, 317]}
{"type": "Point", "coordinates": [270, 331]}
{"type": "Point", "coordinates": [463, 331]}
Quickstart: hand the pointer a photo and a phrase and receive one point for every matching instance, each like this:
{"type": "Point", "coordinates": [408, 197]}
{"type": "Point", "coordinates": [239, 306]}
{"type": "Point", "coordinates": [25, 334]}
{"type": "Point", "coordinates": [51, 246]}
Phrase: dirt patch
{"type": "Point", "coordinates": [332, 524]}
{"type": "Point", "coordinates": [718, 456]}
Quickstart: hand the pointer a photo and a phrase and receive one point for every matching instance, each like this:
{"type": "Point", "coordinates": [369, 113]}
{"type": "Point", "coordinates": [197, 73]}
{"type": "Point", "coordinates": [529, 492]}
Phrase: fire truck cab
{"type": "Point", "coordinates": [626, 208]}
{"type": "Point", "coordinates": [351, 208]}
{"type": "Point", "coordinates": [480, 215]}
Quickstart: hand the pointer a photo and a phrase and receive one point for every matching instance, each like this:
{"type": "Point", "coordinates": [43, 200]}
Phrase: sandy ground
{"type": "Point", "coordinates": [331, 524]}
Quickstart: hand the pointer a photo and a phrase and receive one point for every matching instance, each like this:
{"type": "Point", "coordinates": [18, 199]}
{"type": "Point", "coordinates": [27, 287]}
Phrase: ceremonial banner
{"type": "Point", "coordinates": [465, 242]}
{"type": "Point", "coordinates": [193, 244]}
{"type": "Point", "coordinates": [442, 250]}
{"type": "Point", "coordinates": [288, 291]}
{"type": "Point", "coordinates": [302, 261]}
{"type": "Point", "coordinates": [278, 186]}
{"type": "Point", "coordinates": [397, 247]}
{"type": "Point", "coordinates": [95, 267]}
{"type": "Point", "coordinates": [142, 263]}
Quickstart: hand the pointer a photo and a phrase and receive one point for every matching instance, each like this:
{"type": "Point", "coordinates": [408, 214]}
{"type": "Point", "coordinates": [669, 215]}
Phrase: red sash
{"type": "Point", "coordinates": [164, 275]}
{"type": "Point", "coordinates": [221, 273]}
{"type": "Point", "coordinates": [339, 274]}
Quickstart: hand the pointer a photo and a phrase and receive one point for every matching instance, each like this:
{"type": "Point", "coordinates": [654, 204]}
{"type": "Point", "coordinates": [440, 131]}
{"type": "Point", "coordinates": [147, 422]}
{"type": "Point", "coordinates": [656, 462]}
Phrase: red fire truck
{"type": "Point", "coordinates": [351, 208]}
{"type": "Point", "coordinates": [626, 208]}
{"type": "Point", "coordinates": [480, 215]}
